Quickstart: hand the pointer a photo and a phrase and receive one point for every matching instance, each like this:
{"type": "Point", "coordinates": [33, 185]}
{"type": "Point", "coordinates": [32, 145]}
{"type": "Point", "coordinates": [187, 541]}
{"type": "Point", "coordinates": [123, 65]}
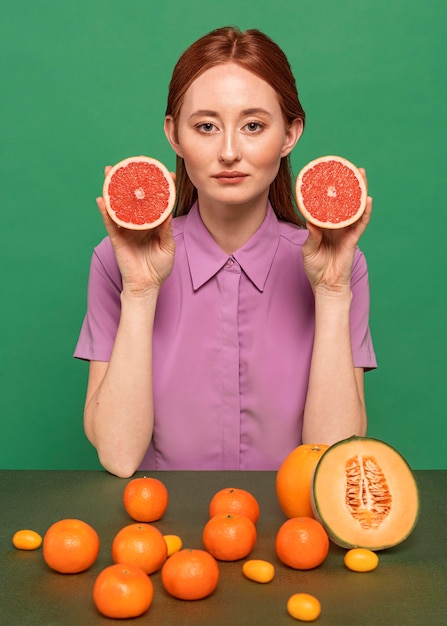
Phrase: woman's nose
{"type": "Point", "coordinates": [229, 149]}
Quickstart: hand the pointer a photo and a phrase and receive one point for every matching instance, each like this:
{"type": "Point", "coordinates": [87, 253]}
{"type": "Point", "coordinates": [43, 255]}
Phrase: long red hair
{"type": "Point", "coordinates": [257, 53]}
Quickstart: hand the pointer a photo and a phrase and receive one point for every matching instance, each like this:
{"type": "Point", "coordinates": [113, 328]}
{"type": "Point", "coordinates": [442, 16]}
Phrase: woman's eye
{"type": "Point", "coordinates": [206, 127]}
{"type": "Point", "coordinates": [254, 126]}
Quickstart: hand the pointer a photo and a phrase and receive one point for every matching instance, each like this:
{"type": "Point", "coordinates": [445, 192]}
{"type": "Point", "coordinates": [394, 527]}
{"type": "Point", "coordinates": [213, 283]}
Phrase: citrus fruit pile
{"type": "Point", "coordinates": [125, 589]}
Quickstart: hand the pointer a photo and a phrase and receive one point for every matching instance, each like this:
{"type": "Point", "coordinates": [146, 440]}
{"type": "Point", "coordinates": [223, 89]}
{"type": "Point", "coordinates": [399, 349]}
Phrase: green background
{"type": "Point", "coordinates": [84, 84]}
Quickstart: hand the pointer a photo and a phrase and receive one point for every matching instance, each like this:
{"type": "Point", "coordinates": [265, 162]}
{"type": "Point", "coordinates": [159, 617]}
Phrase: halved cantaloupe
{"type": "Point", "coordinates": [365, 494]}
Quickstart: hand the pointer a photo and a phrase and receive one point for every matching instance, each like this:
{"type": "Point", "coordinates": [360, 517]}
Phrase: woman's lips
{"type": "Point", "coordinates": [232, 177]}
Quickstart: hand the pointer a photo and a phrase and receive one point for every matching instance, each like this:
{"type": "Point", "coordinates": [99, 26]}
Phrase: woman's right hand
{"type": "Point", "coordinates": [145, 258]}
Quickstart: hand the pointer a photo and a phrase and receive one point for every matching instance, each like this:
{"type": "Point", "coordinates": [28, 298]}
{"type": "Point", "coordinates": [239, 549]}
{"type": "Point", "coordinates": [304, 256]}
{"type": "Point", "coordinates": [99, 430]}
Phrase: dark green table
{"type": "Point", "coordinates": [408, 588]}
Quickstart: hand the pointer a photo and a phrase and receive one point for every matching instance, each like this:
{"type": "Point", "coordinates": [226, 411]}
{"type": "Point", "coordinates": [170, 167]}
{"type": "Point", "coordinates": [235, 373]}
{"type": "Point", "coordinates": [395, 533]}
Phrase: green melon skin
{"type": "Point", "coordinates": [381, 507]}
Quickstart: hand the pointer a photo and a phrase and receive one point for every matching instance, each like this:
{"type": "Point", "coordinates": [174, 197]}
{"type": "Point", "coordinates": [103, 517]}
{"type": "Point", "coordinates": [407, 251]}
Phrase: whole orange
{"type": "Point", "coordinates": [302, 543]}
{"type": "Point", "coordinates": [229, 537]}
{"type": "Point", "coordinates": [145, 499]}
{"type": "Point", "coordinates": [233, 500]}
{"type": "Point", "coordinates": [142, 545]}
{"type": "Point", "coordinates": [70, 546]}
{"type": "Point", "coordinates": [122, 591]}
{"type": "Point", "coordinates": [294, 479]}
{"type": "Point", "coordinates": [190, 574]}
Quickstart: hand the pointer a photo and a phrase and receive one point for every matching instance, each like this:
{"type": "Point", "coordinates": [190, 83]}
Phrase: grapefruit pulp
{"type": "Point", "coordinates": [139, 193]}
{"type": "Point", "coordinates": [331, 192]}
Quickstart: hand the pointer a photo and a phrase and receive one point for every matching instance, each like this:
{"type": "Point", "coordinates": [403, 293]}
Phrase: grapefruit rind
{"type": "Point", "coordinates": [164, 211]}
{"type": "Point", "coordinates": [332, 223]}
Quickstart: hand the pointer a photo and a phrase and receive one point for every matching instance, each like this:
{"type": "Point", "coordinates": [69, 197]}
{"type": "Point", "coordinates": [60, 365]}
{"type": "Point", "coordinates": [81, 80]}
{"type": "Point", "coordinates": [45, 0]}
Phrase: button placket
{"type": "Point", "coordinates": [229, 282]}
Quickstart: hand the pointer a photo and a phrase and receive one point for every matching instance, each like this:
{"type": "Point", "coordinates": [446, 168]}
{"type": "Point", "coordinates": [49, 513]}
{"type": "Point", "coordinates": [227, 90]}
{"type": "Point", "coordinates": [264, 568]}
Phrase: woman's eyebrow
{"type": "Point", "coordinates": [210, 113]}
{"type": "Point", "coordinates": [256, 111]}
{"type": "Point", "coordinates": [204, 112]}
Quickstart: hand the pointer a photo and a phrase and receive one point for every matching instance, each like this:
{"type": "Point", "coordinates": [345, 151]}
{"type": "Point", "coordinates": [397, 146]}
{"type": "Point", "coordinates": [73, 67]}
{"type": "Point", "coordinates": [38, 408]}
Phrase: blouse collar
{"type": "Point", "coordinates": [206, 258]}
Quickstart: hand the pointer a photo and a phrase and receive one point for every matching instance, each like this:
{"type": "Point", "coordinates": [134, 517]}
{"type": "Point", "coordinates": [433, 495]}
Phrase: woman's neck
{"type": "Point", "coordinates": [231, 226]}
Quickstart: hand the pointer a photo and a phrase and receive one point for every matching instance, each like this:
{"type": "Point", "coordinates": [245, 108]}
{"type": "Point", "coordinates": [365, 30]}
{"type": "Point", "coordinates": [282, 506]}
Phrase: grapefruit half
{"type": "Point", "coordinates": [139, 193]}
{"type": "Point", "coordinates": [331, 192]}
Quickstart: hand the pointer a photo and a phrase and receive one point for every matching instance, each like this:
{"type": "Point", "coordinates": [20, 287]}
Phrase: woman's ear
{"type": "Point", "coordinates": [171, 135]}
{"type": "Point", "coordinates": [293, 133]}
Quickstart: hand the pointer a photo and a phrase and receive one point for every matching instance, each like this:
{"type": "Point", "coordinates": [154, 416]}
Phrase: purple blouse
{"type": "Point", "coordinates": [232, 346]}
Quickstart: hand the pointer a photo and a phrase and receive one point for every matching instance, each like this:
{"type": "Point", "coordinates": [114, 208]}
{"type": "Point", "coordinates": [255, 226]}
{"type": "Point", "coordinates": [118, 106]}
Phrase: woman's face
{"type": "Point", "coordinates": [232, 135]}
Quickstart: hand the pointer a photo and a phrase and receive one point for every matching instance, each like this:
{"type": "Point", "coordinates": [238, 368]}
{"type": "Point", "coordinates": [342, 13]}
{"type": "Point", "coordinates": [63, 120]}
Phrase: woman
{"type": "Point", "coordinates": [230, 334]}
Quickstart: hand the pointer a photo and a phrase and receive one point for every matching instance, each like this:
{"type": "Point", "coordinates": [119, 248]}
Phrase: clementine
{"type": "Point", "coordinates": [142, 545]}
{"type": "Point", "coordinates": [229, 537]}
{"type": "Point", "coordinates": [190, 574]}
{"type": "Point", "coordinates": [122, 591]}
{"type": "Point", "coordinates": [145, 499]}
{"type": "Point", "coordinates": [294, 479]}
{"type": "Point", "coordinates": [302, 543]}
{"type": "Point", "coordinates": [232, 500]}
{"type": "Point", "coordinates": [70, 546]}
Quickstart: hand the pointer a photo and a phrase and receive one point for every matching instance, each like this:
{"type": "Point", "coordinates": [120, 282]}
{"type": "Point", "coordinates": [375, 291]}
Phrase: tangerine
{"type": "Point", "coordinates": [190, 574]}
{"type": "Point", "coordinates": [27, 540]}
{"type": "Point", "coordinates": [142, 545]}
{"type": "Point", "coordinates": [304, 607]}
{"type": "Point", "coordinates": [145, 499]}
{"type": "Point", "coordinates": [294, 479]}
{"type": "Point", "coordinates": [302, 543]}
{"type": "Point", "coordinates": [70, 546]}
{"type": "Point", "coordinates": [122, 591]}
{"type": "Point", "coordinates": [232, 500]}
{"type": "Point", "coordinates": [229, 537]}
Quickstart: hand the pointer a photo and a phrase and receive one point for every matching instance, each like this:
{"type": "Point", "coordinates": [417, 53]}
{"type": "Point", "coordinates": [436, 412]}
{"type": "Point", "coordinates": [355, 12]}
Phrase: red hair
{"type": "Point", "coordinates": [256, 52]}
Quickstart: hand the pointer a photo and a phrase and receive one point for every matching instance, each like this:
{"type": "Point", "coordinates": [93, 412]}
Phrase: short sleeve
{"type": "Point", "coordinates": [362, 346]}
{"type": "Point", "coordinates": [101, 320]}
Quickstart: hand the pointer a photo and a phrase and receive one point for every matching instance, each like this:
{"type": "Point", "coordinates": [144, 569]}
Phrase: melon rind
{"type": "Point", "coordinates": [172, 193]}
{"type": "Point", "coordinates": [328, 495]}
{"type": "Point", "coordinates": [330, 225]}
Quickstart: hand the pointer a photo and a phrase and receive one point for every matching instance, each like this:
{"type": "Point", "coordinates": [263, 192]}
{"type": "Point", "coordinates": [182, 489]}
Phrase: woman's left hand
{"type": "Point", "coordinates": [329, 253]}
